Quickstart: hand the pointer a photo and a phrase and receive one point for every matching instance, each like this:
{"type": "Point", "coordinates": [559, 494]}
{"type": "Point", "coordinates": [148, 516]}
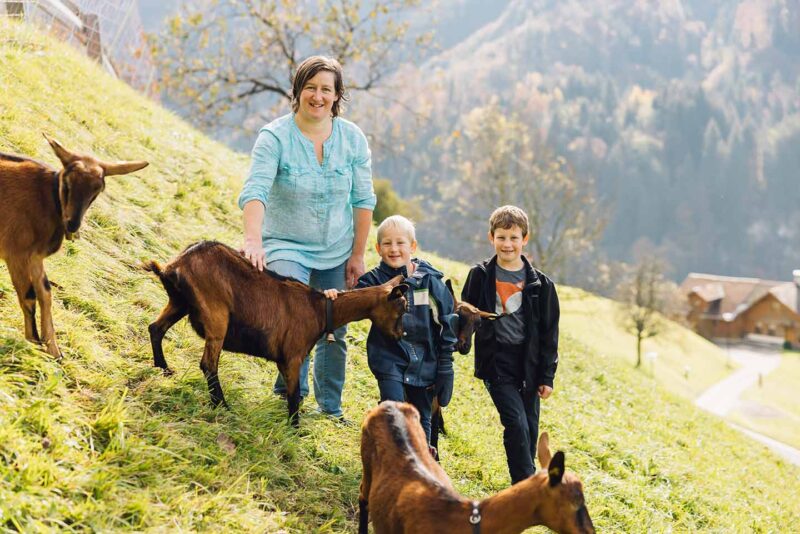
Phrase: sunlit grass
{"type": "Point", "coordinates": [102, 441]}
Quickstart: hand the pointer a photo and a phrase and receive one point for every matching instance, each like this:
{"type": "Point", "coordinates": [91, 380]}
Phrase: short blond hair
{"type": "Point", "coordinates": [506, 217]}
{"type": "Point", "coordinates": [399, 222]}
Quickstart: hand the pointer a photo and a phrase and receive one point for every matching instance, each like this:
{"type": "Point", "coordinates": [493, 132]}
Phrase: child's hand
{"type": "Point", "coordinates": [545, 391]}
{"type": "Point", "coordinates": [331, 293]}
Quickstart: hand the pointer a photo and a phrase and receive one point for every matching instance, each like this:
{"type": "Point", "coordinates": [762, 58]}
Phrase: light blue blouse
{"type": "Point", "coordinates": [309, 207]}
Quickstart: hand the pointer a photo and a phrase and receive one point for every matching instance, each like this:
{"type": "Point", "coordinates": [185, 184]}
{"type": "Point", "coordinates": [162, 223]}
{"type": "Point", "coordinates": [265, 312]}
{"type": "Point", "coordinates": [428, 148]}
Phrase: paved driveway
{"type": "Point", "coordinates": [723, 396]}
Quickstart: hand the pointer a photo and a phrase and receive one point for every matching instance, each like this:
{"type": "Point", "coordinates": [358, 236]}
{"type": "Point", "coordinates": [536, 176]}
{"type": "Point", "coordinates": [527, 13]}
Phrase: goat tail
{"type": "Point", "coordinates": [168, 279]}
{"type": "Point", "coordinates": [153, 267]}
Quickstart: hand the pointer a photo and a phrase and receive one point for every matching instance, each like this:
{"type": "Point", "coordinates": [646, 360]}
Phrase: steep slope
{"type": "Point", "coordinates": [102, 441]}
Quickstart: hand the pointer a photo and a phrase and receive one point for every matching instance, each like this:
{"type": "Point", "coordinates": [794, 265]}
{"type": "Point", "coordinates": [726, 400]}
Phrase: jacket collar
{"type": "Point", "coordinates": [423, 267]}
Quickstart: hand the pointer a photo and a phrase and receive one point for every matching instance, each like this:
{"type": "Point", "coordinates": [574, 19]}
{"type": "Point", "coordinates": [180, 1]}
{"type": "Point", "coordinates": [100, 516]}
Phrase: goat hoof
{"type": "Point", "coordinates": [167, 371]}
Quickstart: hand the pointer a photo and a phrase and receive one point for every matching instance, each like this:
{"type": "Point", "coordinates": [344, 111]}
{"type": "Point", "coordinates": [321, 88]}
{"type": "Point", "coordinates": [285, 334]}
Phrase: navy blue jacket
{"type": "Point", "coordinates": [429, 328]}
{"type": "Point", "coordinates": [541, 312]}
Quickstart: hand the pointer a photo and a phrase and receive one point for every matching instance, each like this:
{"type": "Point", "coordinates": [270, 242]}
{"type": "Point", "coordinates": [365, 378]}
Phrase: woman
{"type": "Point", "coordinates": [308, 205]}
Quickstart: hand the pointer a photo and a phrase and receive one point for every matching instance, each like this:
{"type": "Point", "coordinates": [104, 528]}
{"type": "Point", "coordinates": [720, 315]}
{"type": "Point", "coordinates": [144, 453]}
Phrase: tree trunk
{"type": "Point", "coordinates": [638, 349]}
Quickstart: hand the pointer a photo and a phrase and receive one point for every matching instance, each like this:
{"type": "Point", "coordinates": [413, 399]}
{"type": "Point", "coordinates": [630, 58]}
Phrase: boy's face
{"type": "Point", "coordinates": [395, 247]}
{"type": "Point", "coordinates": [508, 243]}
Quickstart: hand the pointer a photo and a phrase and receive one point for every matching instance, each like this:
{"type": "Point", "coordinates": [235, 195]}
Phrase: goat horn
{"type": "Point", "coordinates": [62, 153]}
{"type": "Point", "coordinates": [122, 167]}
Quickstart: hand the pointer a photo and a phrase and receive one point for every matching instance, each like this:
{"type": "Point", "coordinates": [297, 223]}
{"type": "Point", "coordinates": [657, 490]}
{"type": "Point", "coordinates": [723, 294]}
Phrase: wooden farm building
{"type": "Point", "coordinates": [732, 307]}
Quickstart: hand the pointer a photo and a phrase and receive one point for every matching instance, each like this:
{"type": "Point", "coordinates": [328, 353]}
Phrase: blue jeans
{"type": "Point", "coordinates": [329, 358]}
{"type": "Point", "coordinates": [420, 398]}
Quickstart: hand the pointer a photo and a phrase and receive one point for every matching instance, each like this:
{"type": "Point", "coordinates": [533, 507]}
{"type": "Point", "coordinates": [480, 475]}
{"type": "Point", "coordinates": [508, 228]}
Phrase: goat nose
{"type": "Point", "coordinates": [73, 225]}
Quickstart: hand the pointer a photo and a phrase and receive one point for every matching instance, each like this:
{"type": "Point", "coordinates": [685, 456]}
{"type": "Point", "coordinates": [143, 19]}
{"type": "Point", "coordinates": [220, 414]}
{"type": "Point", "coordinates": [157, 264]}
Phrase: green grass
{"type": "Point", "coordinates": [777, 412]}
{"type": "Point", "coordinates": [103, 442]}
{"type": "Point", "coordinates": [686, 363]}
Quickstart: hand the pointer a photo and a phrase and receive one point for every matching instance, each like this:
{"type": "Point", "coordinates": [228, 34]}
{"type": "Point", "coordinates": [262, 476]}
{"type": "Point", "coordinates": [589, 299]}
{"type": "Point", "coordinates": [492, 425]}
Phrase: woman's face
{"type": "Point", "coordinates": [317, 96]}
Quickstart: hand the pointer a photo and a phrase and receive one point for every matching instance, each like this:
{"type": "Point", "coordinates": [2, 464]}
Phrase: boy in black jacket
{"type": "Point", "coordinates": [517, 354]}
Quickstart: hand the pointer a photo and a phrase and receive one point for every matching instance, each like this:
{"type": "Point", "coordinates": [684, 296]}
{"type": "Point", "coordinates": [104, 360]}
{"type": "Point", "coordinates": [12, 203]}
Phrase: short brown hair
{"type": "Point", "coordinates": [308, 69]}
{"type": "Point", "coordinates": [506, 217]}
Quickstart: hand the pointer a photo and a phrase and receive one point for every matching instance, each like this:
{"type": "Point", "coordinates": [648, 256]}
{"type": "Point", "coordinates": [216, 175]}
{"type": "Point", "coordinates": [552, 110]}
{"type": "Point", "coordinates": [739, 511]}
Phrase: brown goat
{"type": "Point", "coordinates": [469, 320]}
{"type": "Point", "coordinates": [240, 309]}
{"type": "Point", "coordinates": [39, 207]}
{"type": "Point", "coordinates": [404, 490]}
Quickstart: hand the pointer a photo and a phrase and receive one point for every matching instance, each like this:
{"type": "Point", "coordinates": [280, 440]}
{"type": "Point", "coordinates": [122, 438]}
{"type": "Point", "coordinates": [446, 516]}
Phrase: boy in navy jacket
{"type": "Point", "coordinates": [516, 355]}
{"type": "Point", "coordinates": [419, 366]}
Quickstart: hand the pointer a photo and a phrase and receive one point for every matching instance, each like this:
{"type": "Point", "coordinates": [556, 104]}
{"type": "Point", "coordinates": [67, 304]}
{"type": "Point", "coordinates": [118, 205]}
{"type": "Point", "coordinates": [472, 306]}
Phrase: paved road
{"type": "Point", "coordinates": [723, 396]}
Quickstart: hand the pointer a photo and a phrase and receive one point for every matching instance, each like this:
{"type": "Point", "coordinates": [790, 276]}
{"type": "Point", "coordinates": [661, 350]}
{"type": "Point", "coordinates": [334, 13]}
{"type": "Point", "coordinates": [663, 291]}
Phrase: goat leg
{"type": "Point", "coordinates": [363, 517]}
{"type": "Point", "coordinates": [26, 296]}
{"type": "Point", "coordinates": [42, 287]}
{"type": "Point", "coordinates": [367, 445]}
{"type": "Point", "coordinates": [170, 315]}
{"type": "Point", "coordinates": [291, 375]}
{"type": "Point", "coordinates": [209, 365]}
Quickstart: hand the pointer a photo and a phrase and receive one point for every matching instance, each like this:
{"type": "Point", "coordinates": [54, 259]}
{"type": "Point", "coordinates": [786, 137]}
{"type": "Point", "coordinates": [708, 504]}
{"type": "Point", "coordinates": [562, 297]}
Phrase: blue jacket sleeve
{"type": "Point", "coordinates": [362, 194]}
{"type": "Point", "coordinates": [263, 169]}
{"type": "Point", "coordinates": [448, 319]}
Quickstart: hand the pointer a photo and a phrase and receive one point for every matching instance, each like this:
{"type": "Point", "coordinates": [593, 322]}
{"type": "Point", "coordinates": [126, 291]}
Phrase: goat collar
{"type": "Point", "coordinates": [58, 189]}
{"type": "Point", "coordinates": [57, 194]}
{"type": "Point", "coordinates": [329, 321]}
{"type": "Point", "coordinates": [475, 518]}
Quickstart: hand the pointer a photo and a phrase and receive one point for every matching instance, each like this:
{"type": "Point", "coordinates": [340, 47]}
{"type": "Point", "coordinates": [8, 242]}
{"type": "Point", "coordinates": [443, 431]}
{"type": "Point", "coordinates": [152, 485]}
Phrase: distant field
{"type": "Point", "coordinates": [104, 442]}
{"type": "Point", "coordinates": [779, 414]}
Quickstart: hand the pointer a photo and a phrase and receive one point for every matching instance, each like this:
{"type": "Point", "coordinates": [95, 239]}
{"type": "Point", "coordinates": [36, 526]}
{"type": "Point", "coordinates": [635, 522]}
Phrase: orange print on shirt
{"type": "Point", "coordinates": [509, 296]}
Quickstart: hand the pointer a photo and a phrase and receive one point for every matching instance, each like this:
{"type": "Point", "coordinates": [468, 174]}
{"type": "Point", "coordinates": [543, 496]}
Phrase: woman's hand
{"type": "Point", "coordinates": [355, 268]}
{"type": "Point", "coordinates": [331, 293]}
{"type": "Point", "coordinates": [253, 251]}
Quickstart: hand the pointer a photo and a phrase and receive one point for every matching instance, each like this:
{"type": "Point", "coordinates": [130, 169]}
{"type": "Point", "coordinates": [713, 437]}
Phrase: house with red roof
{"type": "Point", "coordinates": [733, 307]}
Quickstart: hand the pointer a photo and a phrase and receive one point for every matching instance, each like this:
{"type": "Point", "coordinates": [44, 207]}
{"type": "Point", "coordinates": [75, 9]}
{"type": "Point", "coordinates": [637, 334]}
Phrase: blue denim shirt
{"type": "Point", "coordinates": [309, 207]}
{"type": "Point", "coordinates": [429, 328]}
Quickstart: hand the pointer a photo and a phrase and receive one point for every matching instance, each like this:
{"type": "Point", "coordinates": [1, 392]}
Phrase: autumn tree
{"type": "Point", "coordinates": [500, 160]}
{"type": "Point", "coordinates": [229, 62]}
{"type": "Point", "coordinates": [645, 293]}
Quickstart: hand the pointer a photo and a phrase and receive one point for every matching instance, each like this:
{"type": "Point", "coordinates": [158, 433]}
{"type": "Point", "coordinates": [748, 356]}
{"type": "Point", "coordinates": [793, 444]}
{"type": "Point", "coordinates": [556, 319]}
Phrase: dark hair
{"type": "Point", "coordinates": [506, 217]}
{"type": "Point", "coordinates": [308, 69]}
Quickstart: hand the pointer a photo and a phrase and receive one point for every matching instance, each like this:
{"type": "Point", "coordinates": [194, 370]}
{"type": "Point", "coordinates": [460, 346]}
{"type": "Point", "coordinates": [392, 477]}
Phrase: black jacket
{"type": "Point", "coordinates": [541, 312]}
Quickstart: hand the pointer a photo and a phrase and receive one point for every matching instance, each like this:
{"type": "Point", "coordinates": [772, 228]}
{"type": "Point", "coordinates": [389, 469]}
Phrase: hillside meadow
{"type": "Point", "coordinates": [101, 441]}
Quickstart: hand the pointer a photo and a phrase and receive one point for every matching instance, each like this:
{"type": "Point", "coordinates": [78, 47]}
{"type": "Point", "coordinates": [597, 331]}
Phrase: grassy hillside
{"type": "Point", "coordinates": [102, 441]}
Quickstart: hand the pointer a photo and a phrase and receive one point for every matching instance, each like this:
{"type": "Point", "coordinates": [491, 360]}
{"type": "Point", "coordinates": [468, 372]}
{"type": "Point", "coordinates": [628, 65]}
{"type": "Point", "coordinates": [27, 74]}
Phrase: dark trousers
{"type": "Point", "coordinates": [519, 415]}
{"type": "Point", "coordinates": [419, 397]}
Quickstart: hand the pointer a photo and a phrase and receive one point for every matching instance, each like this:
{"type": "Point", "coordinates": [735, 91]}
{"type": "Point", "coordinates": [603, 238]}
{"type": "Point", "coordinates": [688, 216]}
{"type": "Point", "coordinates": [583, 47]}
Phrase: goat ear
{"type": "Point", "coordinates": [398, 291]}
{"type": "Point", "coordinates": [555, 471]}
{"type": "Point", "coordinates": [122, 167]}
{"type": "Point", "coordinates": [543, 450]}
{"type": "Point", "coordinates": [488, 315]}
{"type": "Point", "coordinates": [62, 153]}
{"type": "Point", "coordinates": [395, 281]}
